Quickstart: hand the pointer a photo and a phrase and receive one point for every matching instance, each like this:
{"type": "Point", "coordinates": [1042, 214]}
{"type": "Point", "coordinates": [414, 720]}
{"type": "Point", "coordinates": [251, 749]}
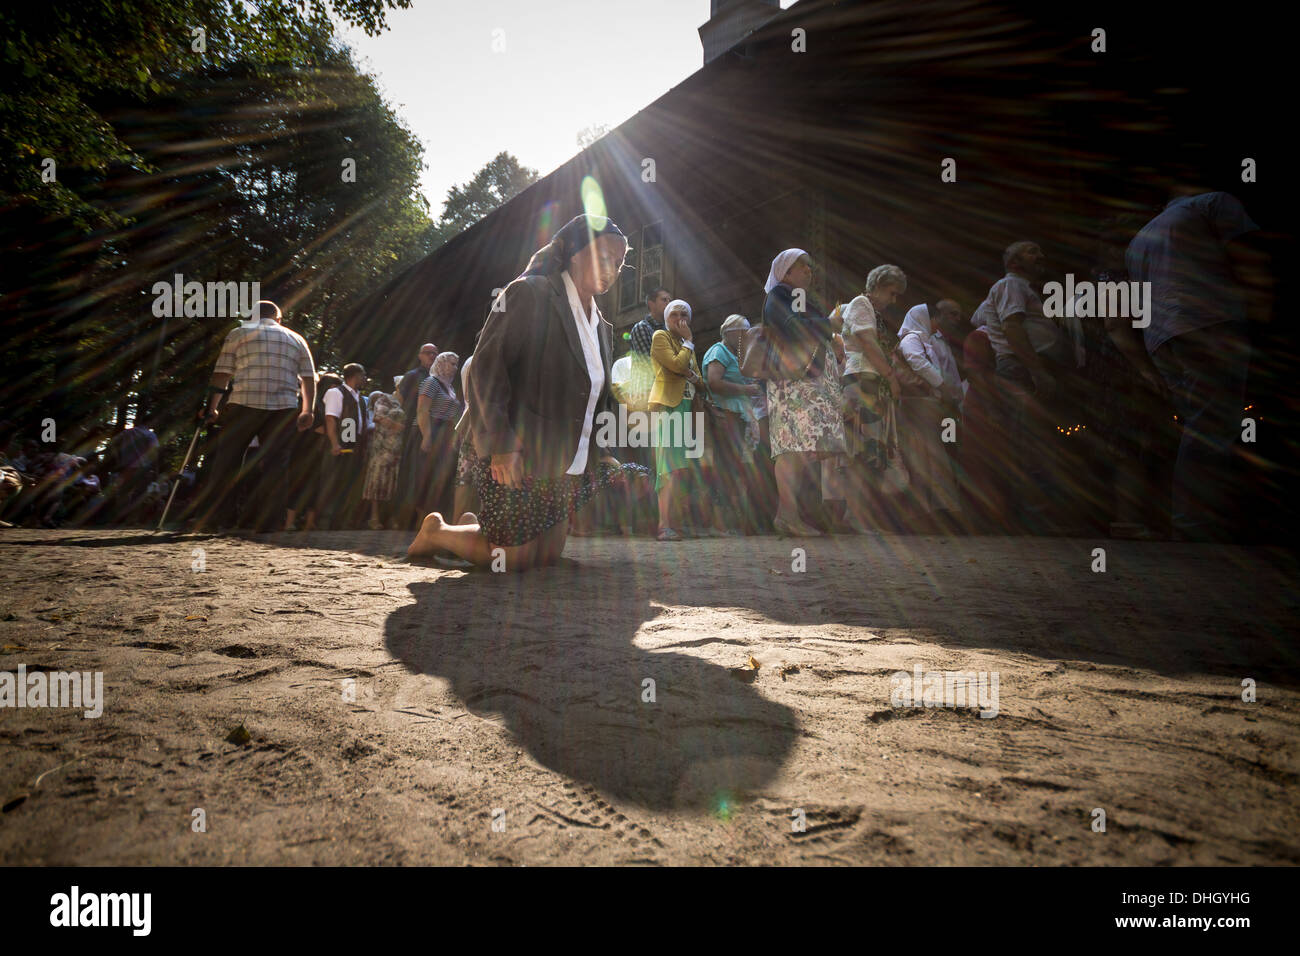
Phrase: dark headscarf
{"type": "Point", "coordinates": [574, 236]}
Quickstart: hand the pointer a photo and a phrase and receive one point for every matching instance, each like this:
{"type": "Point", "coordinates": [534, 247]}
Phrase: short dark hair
{"type": "Point", "coordinates": [353, 368]}
{"type": "Point", "coordinates": [654, 292]}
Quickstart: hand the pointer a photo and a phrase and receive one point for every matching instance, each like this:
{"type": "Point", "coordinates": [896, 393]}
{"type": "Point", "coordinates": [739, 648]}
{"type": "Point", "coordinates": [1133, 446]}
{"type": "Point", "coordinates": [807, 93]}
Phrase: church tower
{"type": "Point", "coordinates": [731, 20]}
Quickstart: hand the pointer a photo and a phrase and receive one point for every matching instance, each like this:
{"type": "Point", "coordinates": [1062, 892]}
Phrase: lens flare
{"type": "Point", "coordinates": [593, 201]}
{"type": "Point", "coordinates": [546, 223]}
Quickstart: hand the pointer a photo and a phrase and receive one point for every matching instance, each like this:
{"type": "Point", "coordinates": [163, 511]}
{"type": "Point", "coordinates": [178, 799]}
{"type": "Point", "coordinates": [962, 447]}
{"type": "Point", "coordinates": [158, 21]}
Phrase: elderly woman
{"type": "Point", "coordinates": [438, 411]}
{"type": "Point", "coordinates": [805, 420]}
{"type": "Point", "coordinates": [933, 488]}
{"type": "Point", "coordinates": [385, 452]}
{"type": "Point", "coordinates": [869, 385]}
{"type": "Point", "coordinates": [672, 403]}
{"type": "Point", "coordinates": [541, 369]}
{"type": "Point", "coordinates": [734, 444]}
{"type": "Point", "coordinates": [466, 498]}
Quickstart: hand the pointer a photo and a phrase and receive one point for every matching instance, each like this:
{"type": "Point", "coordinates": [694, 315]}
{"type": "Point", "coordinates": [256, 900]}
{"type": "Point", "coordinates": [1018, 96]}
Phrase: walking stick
{"type": "Point", "coordinates": [177, 483]}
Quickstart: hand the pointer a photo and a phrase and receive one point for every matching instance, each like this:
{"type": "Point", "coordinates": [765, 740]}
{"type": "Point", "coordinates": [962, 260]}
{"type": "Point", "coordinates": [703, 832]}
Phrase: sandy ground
{"type": "Point", "coordinates": [519, 699]}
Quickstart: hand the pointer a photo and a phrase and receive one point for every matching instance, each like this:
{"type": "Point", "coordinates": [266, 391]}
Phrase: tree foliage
{"type": "Point", "coordinates": [231, 170]}
{"type": "Point", "coordinates": [495, 184]}
{"type": "Point", "coordinates": [62, 60]}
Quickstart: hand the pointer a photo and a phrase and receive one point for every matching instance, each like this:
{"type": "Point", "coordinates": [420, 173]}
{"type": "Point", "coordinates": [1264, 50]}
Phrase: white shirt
{"type": "Point", "coordinates": [859, 316]}
{"type": "Point", "coordinates": [1009, 295]}
{"type": "Point", "coordinates": [587, 321]}
{"type": "Point", "coordinates": [334, 401]}
{"type": "Point", "coordinates": [932, 359]}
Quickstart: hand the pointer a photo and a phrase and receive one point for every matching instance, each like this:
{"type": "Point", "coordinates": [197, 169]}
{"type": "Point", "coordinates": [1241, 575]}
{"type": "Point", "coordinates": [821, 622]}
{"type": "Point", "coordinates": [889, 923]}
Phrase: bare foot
{"type": "Point", "coordinates": [426, 542]}
{"type": "Point", "coordinates": [468, 517]}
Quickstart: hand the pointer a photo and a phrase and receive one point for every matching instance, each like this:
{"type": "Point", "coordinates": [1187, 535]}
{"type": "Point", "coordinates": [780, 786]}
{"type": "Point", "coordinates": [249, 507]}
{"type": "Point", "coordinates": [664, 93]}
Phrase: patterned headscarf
{"type": "Point", "coordinates": [444, 368]}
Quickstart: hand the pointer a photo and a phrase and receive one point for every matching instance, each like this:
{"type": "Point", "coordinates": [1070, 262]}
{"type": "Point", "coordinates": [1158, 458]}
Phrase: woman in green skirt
{"type": "Point", "coordinates": [677, 440]}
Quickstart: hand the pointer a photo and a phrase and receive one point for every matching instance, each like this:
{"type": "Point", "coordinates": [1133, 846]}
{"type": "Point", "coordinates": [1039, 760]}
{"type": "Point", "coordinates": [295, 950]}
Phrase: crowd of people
{"type": "Point", "coordinates": [302, 451]}
{"type": "Point", "coordinates": [816, 420]}
{"type": "Point", "coordinates": [1010, 420]}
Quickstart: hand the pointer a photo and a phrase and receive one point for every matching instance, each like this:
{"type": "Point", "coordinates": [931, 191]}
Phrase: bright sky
{"type": "Point", "coordinates": [566, 65]}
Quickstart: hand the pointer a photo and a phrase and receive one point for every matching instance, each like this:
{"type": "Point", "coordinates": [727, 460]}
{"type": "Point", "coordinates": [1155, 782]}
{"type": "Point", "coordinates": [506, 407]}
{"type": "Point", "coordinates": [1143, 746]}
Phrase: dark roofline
{"type": "Point", "coordinates": [797, 10]}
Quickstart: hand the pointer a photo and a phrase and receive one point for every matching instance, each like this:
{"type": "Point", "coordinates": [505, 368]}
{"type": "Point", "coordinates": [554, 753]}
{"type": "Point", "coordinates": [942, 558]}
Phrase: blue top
{"type": "Point", "coordinates": [1181, 253]}
{"type": "Point", "coordinates": [730, 373]}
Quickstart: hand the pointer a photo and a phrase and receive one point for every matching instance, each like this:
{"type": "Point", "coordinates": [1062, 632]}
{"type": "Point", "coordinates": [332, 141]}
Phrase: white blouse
{"type": "Point", "coordinates": [587, 321]}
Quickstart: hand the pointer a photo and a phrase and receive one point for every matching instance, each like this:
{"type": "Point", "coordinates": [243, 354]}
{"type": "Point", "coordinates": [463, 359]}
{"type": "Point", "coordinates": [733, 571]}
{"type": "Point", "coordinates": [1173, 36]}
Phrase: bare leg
{"type": "Point", "coordinates": [465, 501]}
{"type": "Point", "coordinates": [467, 541]}
{"type": "Point", "coordinates": [550, 545]}
{"type": "Point", "coordinates": [790, 469]}
{"type": "Point", "coordinates": [666, 502]}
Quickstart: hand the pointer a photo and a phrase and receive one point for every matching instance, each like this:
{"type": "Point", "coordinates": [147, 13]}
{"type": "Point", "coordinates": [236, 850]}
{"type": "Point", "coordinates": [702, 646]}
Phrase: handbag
{"type": "Point", "coordinates": [723, 428]}
{"type": "Point", "coordinates": [762, 359]}
{"type": "Point", "coordinates": [894, 476]}
{"type": "Point", "coordinates": [910, 383]}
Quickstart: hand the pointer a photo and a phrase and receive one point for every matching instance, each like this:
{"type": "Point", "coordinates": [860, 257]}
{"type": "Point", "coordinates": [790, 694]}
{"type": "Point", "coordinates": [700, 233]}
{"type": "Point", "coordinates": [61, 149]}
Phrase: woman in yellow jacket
{"type": "Point", "coordinates": [677, 375]}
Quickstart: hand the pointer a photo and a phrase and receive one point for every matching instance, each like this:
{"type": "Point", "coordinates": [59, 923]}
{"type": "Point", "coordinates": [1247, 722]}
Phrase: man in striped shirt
{"type": "Point", "coordinates": [274, 392]}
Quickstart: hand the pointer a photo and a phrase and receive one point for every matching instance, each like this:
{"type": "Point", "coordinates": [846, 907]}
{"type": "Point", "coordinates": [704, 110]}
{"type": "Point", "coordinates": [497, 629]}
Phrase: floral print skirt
{"type": "Point", "coordinates": [807, 415]}
{"type": "Point", "coordinates": [510, 517]}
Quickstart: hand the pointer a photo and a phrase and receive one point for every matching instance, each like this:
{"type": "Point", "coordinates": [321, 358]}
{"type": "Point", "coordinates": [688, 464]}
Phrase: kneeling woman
{"type": "Point", "coordinates": [541, 373]}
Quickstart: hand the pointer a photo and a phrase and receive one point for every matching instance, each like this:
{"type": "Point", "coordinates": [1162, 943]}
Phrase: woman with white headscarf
{"type": "Point", "coordinates": [927, 411]}
{"type": "Point", "coordinates": [672, 400]}
{"type": "Point", "coordinates": [436, 415]}
{"type": "Point", "coordinates": [735, 434]}
{"type": "Point", "coordinates": [385, 452]}
{"type": "Point", "coordinates": [805, 420]}
{"type": "Point", "coordinates": [466, 497]}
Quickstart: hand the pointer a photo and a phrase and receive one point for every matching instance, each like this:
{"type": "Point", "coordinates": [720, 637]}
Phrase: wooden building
{"type": "Point", "coordinates": [829, 127]}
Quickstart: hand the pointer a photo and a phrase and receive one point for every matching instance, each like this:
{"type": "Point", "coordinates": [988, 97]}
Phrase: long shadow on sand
{"type": "Point", "coordinates": [575, 694]}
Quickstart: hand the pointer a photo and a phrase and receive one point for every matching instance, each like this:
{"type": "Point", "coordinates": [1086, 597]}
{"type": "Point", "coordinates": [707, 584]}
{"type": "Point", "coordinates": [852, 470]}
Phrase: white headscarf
{"type": "Point", "coordinates": [677, 305]}
{"type": "Point", "coordinates": [916, 320]}
{"type": "Point", "coordinates": [736, 321]}
{"type": "Point", "coordinates": [780, 266]}
{"type": "Point", "coordinates": [933, 344]}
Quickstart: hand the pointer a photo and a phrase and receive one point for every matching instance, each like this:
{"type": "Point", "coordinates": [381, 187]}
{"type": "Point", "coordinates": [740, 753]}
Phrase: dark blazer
{"type": "Point", "coordinates": [806, 332]}
{"type": "Point", "coordinates": [529, 384]}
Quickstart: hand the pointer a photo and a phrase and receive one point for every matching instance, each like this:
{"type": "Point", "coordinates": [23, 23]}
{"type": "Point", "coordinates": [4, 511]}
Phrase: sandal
{"type": "Point", "coordinates": [668, 534]}
{"type": "Point", "coordinates": [783, 530]}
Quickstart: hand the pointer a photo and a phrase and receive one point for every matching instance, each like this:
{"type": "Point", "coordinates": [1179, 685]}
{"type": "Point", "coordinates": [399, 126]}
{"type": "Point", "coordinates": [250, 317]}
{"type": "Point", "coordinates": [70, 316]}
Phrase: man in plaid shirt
{"type": "Point", "coordinates": [274, 393]}
{"type": "Point", "coordinates": [643, 373]}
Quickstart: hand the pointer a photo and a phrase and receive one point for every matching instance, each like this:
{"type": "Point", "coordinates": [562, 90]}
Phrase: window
{"type": "Point", "coordinates": [652, 258]}
{"type": "Point", "coordinates": [627, 283]}
{"type": "Point", "coordinates": [645, 267]}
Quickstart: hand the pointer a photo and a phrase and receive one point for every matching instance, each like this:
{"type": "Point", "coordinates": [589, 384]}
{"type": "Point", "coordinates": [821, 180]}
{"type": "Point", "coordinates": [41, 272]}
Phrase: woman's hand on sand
{"type": "Point", "coordinates": [508, 469]}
